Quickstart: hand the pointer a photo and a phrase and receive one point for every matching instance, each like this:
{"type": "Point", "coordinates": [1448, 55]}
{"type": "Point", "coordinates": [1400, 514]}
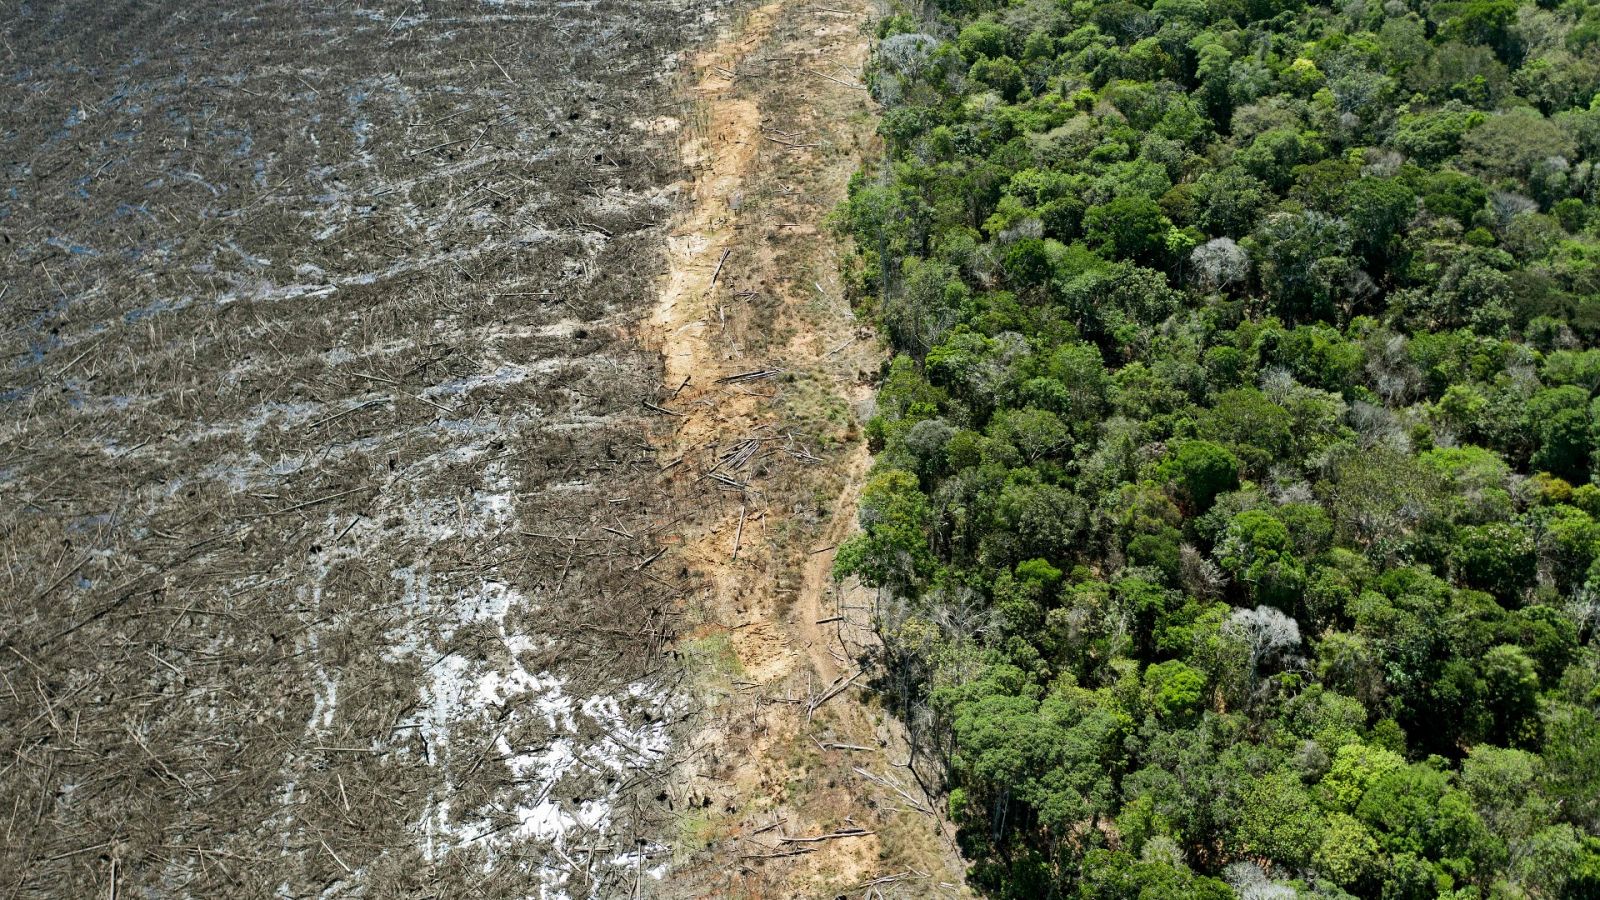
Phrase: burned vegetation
{"type": "Point", "coordinates": [327, 509]}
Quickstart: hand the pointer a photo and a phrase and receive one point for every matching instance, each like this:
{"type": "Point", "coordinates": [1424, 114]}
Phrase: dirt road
{"type": "Point", "coordinates": [792, 788]}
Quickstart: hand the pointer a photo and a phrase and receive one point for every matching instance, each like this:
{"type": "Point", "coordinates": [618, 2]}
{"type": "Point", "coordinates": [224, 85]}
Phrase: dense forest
{"type": "Point", "coordinates": [1234, 517]}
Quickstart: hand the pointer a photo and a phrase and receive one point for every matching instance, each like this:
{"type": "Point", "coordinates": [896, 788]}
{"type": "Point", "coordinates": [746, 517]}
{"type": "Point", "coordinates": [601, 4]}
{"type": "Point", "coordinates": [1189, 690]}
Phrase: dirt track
{"type": "Point", "coordinates": [792, 789]}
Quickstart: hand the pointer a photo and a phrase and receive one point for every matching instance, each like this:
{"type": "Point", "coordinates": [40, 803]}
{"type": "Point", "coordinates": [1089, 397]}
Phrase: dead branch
{"type": "Point", "coordinates": [754, 375]}
{"type": "Point", "coordinates": [796, 852]}
{"type": "Point", "coordinates": [718, 270]}
{"type": "Point", "coordinates": [831, 836]}
{"type": "Point", "coordinates": [833, 692]}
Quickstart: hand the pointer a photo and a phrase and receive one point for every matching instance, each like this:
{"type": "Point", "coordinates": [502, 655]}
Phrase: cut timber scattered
{"type": "Point", "coordinates": [838, 686]}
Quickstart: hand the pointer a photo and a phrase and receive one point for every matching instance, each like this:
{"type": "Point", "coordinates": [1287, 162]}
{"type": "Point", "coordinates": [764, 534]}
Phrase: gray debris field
{"type": "Point", "coordinates": [324, 478]}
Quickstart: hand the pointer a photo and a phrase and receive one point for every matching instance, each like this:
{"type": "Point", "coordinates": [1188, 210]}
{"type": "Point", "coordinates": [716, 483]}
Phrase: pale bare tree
{"type": "Point", "coordinates": [1219, 263]}
{"type": "Point", "coordinates": [1265, 632]}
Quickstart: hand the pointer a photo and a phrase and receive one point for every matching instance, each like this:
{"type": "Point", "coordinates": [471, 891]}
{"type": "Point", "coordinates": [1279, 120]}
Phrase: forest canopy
{"type": "Point", "coordinates": [1234, 517]}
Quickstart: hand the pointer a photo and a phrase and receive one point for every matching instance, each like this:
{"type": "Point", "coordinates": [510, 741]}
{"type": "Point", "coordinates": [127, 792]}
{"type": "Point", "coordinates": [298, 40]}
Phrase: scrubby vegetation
{"type": "Point", "coordinates": [1234, 515]}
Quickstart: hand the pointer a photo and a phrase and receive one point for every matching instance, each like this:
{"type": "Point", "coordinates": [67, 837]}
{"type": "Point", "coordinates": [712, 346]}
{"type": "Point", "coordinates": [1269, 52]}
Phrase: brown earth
{"type": "Point", "coordinates": [796, 786]}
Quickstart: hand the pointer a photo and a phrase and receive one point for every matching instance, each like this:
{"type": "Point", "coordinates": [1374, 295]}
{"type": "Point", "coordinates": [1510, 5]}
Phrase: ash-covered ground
{"type": "Point", "coordinates": [327, 505]}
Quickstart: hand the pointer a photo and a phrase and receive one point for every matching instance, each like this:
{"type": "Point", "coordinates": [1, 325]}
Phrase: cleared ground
{"type": "Point", "coordinates": [328, 517]}
{"type": "Point", "coordinates": [795, 783]}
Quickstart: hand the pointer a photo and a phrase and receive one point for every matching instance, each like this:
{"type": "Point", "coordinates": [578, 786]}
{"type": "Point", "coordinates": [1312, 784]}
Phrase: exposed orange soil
{"type": "Point", "coordinates": [772, 464]}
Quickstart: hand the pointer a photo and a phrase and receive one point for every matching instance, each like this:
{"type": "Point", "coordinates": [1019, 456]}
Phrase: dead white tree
{"type": "Point", "coordinates": [1219, 263]}
{"type": "Point", "coordinates": [1251, 883]}
{"type": "Point", "coordinates": [1265, 632]}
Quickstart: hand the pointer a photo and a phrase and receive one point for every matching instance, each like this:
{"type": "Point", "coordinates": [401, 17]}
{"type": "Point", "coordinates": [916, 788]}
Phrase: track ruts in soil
{"type": "Point", "coordinates": [795, 782]}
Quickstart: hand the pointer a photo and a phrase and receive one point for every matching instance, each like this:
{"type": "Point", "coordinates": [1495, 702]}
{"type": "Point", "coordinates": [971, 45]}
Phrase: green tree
{"type": "Point", "coordinates": [1250, 426]}
{"type": "Point", "coordinates": [1377, 209]}
{"type": "Point", "coordinates": [1113, 875]}
{"type": "Point", "coordinates": [1488, 22]}
{"type": "Point", "coordinates": [1230, 202]}
{"type": "Point", "coordinates": [1349, 854]}
{"type": "Point", "coordinates": [1414, 810]}
{"type": "Point", "coordinates": [1173, 690]}
{"type": "Point", "coordinates": [1278, 820]}
{"type": "Point", "coordinates": [1511, 696]}
{"type": "Point", "coordinates": [1273, 155]}
{"type": "Point", "coordinates": [1432, 136]}
{"type": "Point", "coordinates": [892, 549]}
{"type": "Point", "coordinates": [1201, 470]}
{"type": "Point", "coordinates": [1304, 263]}
{"type": "Point", "coordinates": [1355, 769]}
{"type": "Point", "coordinates": [985, 39]}
{"type": "Point", "coordinates": [1512, 143]}
{"type": "Point", "coordinates": [1498, 557]}
{"type": "Point", "coordinates": [1571, 761]}
{"type": "Point", "coordinates": [1130, 227]}
{"type": "Point", "coordinates": [1450, 193]}
{"type": "Point", "coordinates": [1257, 549]}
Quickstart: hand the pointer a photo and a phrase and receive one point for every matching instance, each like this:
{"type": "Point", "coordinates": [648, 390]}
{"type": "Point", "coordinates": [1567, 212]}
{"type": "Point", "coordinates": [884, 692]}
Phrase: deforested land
{"type": "Point", "coordinates": [323, 483]}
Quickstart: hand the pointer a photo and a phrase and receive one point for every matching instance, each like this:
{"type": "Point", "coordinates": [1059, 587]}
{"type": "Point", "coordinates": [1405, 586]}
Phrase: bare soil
{"type": "Point", "coordinates": [797, 784]}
